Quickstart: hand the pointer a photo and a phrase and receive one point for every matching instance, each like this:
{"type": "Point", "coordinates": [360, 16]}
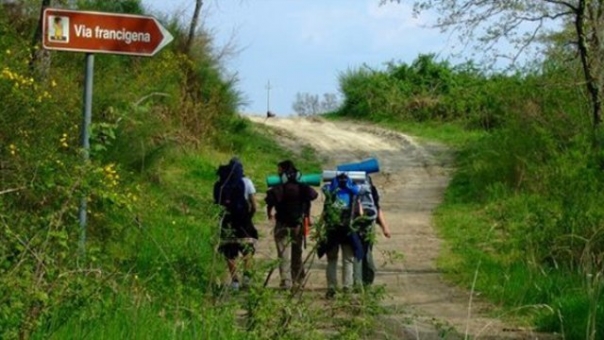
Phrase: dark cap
{"type": "Point", "coordinates": [287, 166]}
{"type": "Point", "coordinates": [342, 180]}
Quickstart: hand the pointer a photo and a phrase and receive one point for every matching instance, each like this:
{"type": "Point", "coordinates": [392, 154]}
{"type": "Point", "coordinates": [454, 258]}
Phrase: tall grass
{"type": "Point", "coordinates": [524, 203]}
{"type": "Point", "coordinates": [143, 240]}
{"type": "Point", "coordinates": [135, 317]}
{"type": "Point", "coordinates": [524, 199]}
{"type": "Point", "coordinates": [169, 278]}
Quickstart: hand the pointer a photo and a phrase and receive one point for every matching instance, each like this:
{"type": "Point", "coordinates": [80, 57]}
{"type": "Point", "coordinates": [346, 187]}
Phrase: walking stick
{"type": "Point", "coordinates": [306, 230]}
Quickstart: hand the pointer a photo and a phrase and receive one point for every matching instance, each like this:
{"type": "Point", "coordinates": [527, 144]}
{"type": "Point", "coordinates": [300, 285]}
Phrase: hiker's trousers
{"type": "Point", "coordinates": [289, 250]}
{"type": "Point", "coordinates": [364, 270]}
{"type": "Point", "coordinates": [348, 261]}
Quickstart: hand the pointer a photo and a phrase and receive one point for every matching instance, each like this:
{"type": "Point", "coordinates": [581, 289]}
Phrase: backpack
{"type": "Point", "coordinates": [340, 201]}
{"type": "Point", "coordinates": [229, 190]}
{"type": "Point", "coordinates": [367, 209]}
{"type": "Point", "coordinates": [291, 201]}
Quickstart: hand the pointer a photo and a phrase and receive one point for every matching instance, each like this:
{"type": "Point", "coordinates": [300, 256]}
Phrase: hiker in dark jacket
{"type": "Point", "coordinates": [291, 201]}
{"type": "Point", "coordinates": [238, 235]}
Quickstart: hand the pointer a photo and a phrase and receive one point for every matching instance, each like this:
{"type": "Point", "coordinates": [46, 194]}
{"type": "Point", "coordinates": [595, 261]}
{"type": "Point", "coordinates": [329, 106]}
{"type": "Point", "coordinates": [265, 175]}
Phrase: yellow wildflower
{"type": "Point", "coordinates": [63, 141]}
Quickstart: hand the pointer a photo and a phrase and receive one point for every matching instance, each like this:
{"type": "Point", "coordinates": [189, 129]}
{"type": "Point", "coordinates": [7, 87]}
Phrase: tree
{"type": "Point", "coordinates": [307, 104]}
{"type": "Point", "coordinates": [507, 21]}
{"type": "Point", "coordinates": [193, 25]}
{"type": "Point", "coordinates": [39, 61]}
{"type": "Point", "coordinates": [330, 102]}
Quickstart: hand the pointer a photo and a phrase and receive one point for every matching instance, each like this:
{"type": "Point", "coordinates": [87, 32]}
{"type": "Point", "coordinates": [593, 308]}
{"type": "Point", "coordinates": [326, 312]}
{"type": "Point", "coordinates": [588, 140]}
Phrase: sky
{"type": "Point", "coordinates": [303, 46]}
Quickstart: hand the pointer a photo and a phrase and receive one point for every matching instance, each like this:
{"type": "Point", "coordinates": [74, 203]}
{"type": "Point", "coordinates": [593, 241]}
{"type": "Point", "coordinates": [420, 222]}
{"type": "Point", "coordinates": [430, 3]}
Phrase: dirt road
{"type": "Point", "coordinates": [412, 181]}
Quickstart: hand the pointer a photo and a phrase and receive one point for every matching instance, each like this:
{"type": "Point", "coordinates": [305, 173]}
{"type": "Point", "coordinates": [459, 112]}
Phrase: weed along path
{"type": "Point", "coordinates": [413, 177]}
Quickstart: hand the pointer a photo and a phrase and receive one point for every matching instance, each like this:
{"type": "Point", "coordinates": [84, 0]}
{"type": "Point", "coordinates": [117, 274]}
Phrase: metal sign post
{"type": "Point", "coordinates": [85, 130]}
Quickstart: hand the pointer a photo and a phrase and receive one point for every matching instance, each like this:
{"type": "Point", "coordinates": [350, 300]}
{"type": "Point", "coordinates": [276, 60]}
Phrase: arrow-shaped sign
{"type": "Point", "coordinates": [98, 32]}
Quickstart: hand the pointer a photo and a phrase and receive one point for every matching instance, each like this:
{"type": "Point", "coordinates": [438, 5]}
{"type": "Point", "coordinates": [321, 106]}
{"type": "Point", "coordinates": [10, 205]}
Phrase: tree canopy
{"type": "Point", "coordinates": [523, 24]}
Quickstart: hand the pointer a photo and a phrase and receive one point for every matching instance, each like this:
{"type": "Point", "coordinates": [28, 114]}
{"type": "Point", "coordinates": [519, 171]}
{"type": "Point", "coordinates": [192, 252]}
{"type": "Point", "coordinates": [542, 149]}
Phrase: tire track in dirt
{"type": "Point", "coordinates": [412, 181]}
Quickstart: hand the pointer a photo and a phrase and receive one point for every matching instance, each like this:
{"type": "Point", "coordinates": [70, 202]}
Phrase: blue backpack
{"type": "Point", "coordinates": [342, 194]}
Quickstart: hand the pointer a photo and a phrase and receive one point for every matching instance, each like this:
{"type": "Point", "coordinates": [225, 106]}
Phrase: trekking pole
{"type": "Point", "coordinates": [268, 276]}
{"type": "Point", "coordinates": [351, 222]}
{"type": "Point", "coordinates": [306, 264]}
{"type": "Point", "coordinates": [352, 209]}
{"type": "Point", "coordinates": [306, 228]}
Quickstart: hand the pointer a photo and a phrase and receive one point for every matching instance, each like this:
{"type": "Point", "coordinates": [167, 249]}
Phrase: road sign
{"type": "Point", "coordinates": [99, 32]}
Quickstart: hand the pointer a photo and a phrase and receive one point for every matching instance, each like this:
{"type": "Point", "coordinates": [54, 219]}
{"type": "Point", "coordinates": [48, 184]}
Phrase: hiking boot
{"type": "Point", "coordinates": [300, 278]}
{"type": "Point", "coordinates": [298, 286]}
{"type": "Point", "coordinates": [358, 289]}
{"type": "Point", "coordinates": [331, 293]}
{"type": "Point", "coordinates": [285, 284]}
{"type": "Point", "coordinates": [247, 281]}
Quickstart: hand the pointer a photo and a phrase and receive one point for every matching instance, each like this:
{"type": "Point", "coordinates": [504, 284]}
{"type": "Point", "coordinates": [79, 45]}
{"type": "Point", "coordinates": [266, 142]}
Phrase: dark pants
{"type": "Point", "coordinates": [364, 270]}
{"type": "Point", "coordinates": [289, 241]}
{"type": "Point", "coordinates": [368, 270]}
{"type": "Point", "coordinates": [237, 235]}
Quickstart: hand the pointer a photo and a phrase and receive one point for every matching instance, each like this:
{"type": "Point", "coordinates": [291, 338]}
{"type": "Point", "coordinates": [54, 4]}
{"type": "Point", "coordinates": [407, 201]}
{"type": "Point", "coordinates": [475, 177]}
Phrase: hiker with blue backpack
{"type": "Point", "coordinates": [367, 214]}
{"type": "Point", "coordinates": [291, 201]}
{"type": "Point", "coordinates": [341, 200]}
{"type": "Point", "coordinates": [238, 235]}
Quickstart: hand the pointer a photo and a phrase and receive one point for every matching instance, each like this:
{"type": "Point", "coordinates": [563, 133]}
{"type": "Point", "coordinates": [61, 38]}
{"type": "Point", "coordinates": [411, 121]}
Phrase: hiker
{"type": "Point", "coordinates": [364, 270]}
{"type": "Point", "coordinates": [291, 201]}
{"type": "Point", "coordinates": [238, 235]}
{"type": "Point", "coordinates": [341, 198]}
